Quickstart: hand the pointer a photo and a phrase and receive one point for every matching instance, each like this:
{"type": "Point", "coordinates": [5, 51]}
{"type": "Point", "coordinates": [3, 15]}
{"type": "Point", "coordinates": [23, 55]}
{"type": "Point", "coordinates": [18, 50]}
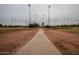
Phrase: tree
{"type": "Point", "coordinates": [1, 25]}
{"type": "Point", "coordinates": [34, 25]}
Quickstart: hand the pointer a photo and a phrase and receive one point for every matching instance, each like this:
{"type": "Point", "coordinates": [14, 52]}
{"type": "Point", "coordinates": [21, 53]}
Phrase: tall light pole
{"type": "Point", "coordinates": [49, 15]}
{"type": "Point", "coordinates": [29, 14]}
{"type": "Point", "coordinates": [43, 20]}
{"type": "Point", "coordinates": [25, 22]}
{"type": "Point", "coordinates": [15, 22]}
{"type": "Point", "coordinates": [43, 17]}
{"type": "Point", "coordinates": [12, 22]}
{"type": "Point", "coordinates": [36, 18]}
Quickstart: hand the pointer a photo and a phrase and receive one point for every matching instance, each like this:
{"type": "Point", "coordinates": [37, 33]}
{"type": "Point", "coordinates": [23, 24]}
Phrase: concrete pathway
{"type": "Point", "coordinates": [39, 45]}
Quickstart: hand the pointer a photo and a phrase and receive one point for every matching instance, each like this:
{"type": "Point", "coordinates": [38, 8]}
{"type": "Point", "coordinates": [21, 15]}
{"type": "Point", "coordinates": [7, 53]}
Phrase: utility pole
{"type": "Point", "coordinates": [12, 22]}
{"type": "Point", "coordinates": [43, 19]}
{"type": "Point", "coordinates": [25, 22]}
{"type": "Point", "coordinates": [36, 19]}
{"type": "Point", "coordinates": [49, 15]}
{"type": "Point", "coordinates": [15, 22]}
{"type": "Point", "coordinates": [29, 14]}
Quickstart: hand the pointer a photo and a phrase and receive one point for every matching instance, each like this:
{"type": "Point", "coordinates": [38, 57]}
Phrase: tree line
{"type": "Point", "coordinates": [30, 25]}
{"type": "Point", "coordinates": [37, 25]}
{"type": "Point", "coordinates": [71, 25]}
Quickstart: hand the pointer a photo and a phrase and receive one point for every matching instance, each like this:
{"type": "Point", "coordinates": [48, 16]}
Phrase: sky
{"type": "Point", "coordinates": [18, 14]}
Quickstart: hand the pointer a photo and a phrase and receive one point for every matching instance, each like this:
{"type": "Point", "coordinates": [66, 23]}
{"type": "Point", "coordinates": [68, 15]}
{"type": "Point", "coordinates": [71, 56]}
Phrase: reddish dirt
{"type": "Point", "coordinates": [67, 43]}
{"type": "Point", "coordinates": [11, 42]}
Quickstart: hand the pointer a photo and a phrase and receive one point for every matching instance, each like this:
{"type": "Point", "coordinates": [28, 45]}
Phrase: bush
{"type": "Point", "coordinates": [47, 26]}
{"type": "Point", "coordinates": [1, 25]}
{"type": "Point", "coordinates": [34, 25]}
{"type": "Point", "coordinates": [5, 26]}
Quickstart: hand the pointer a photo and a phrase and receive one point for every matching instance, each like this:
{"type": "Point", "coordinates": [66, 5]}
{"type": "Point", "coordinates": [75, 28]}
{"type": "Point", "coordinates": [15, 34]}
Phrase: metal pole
{"type": "Point", "coordinates": [15, 22]}
{"type": "Point", "coordinates": [49, 15]}
{"type": "Point", "coordinates": [35, 18]}
{"type": "Point", "coordinates": [29, 14]}
{"type": "Point", "coordinates": [25, 22]}
{"type": "Point", "coordinates": [12, 21]}
{"type": "Point", "coordinates": [43, 18]}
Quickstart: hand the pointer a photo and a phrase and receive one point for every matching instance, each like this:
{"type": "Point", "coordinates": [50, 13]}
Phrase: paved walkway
{"type": "Point", "coordinates": [39, 45]}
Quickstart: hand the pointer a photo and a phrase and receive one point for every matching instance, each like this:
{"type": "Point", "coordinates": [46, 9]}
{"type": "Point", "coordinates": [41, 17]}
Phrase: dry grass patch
{"type": "Point", "coordinates": [67, 43]}
{"type": "Point", "coordinates": [11, 42]}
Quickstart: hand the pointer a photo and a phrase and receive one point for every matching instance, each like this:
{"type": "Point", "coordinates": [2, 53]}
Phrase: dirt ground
{"type": "Point", "coordinates": [67, 43]}
{"type": "Point", "coordinates": [11, 42]}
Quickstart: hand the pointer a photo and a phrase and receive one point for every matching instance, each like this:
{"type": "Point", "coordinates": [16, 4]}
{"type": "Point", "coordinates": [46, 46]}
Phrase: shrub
{"type": "Point", "coordinates": [1, 25]}
{"type": "Point", "coordinates": [34, 25]}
